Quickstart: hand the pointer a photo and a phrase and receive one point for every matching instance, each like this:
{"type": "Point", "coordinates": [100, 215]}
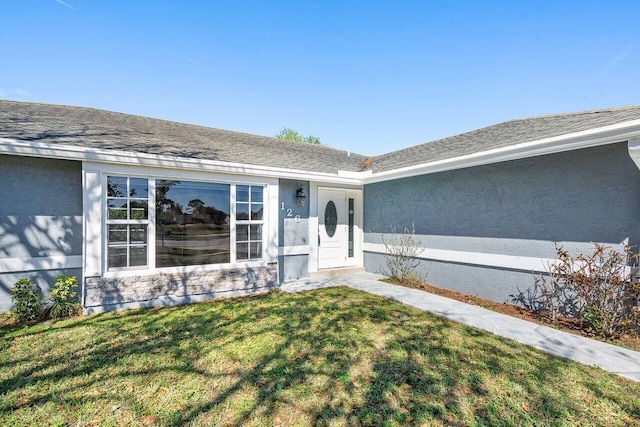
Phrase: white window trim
{"type": "Point", "coordinates": [128, 222]}
{"type": "Point", "coordinates": [232, 225]}
{"type": "Point", "coordinates": [251, 222]}
{"type": "Point", "coordinates": [95, 227]}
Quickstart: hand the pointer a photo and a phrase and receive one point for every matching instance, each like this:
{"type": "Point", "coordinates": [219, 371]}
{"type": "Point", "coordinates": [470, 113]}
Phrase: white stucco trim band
{"type": "Point", "coordinates": [511, 262]}
{"type": "Point", "coordinates": [59, 262]}
{"type": "Point", "coordinates": [293, 250]}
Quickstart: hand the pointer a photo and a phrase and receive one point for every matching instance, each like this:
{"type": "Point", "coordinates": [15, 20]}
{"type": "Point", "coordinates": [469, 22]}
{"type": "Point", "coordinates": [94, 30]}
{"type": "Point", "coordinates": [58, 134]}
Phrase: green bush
{"type": "Point", "coordinates": [25, 295]}
{"type": "Point", "coordinates": [62, 297]}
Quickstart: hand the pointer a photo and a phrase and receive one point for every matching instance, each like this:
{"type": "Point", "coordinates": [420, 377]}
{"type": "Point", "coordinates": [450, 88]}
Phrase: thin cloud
{"type": "Point", "coordinates": [14, 93]}
{"type": "Point", "coordinates": [619, 58]}
{"type": "Point", "coordinates": [65, 4]}
{"type": "Point", "coordinates": [191, 60]}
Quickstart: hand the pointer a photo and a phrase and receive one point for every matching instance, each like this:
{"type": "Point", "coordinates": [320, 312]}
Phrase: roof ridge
{"type": "Point", "coordinates": [575, 113]}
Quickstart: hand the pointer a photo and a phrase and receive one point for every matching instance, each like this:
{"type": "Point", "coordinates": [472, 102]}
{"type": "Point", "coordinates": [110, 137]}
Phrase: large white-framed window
{"type": "Point", "coordinates": [193, 223]}
{"type": "Point", "coordinates": [163, 224]}
{"type": "Point", "coordinates": [249, 221]}
{"type": "Point", "coordinates": [127, 222]}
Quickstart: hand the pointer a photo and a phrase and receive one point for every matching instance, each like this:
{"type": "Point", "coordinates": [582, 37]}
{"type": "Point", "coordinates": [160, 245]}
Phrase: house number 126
{"type": "Point", "coordinates": [289, 212]}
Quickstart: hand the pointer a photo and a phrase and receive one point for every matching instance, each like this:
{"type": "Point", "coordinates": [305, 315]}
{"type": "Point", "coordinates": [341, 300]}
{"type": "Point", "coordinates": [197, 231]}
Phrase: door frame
{"type": "Point", "coordinates": [314, 224]}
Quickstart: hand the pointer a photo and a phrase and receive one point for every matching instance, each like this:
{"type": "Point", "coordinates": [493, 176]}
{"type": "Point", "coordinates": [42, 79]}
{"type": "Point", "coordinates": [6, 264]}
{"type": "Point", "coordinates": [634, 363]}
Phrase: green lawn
{"type": "Point", "coordinates": [329, 357]}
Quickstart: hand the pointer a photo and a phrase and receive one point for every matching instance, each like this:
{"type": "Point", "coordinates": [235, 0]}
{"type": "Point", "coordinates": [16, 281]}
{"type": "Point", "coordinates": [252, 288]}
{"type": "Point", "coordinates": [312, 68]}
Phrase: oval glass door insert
{"type": "Point", "coordinates": [330, 218]}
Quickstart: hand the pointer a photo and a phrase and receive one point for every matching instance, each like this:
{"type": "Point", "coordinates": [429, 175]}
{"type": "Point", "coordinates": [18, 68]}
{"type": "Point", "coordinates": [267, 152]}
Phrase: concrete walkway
{"type": "Point", "coordinates": [611, 358]}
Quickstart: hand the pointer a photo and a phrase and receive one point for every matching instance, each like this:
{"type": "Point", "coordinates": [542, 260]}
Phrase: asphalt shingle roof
{"type": "Point", "coordinates": [92, 128]}
{"type": "Point", "coordinates": [504, 134]}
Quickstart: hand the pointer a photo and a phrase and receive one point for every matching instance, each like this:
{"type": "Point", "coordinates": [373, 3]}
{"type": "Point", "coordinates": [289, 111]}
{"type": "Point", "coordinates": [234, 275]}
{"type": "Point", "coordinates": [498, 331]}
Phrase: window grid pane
{"type": "Point", "coordinates": [117, 235]}
{"type": "Point", "coordinates": [249, 214]}
{"type": "Point", "coordinates": [116, 186]}
{"type": "Point", "coordinates": [256, 211]}
{"type": "Point", "coordinates": [256, 250]}
{"type": "Point", "coordinates": [256, 232]}
{"type": "Point", "coordinates": [117, 208]}
{"type": "Point", "coordinates": [118, 256]}
{"type": "Point", "coordinates": [127, 222]}
{"type": "Point", "coordinates": [138, 209]}
{"type": "Point", "coordinates": [137, 256]}
{"type": "Point", "coordinates": [242, 193]}
{"type": "Point", "coordinates": [242, 251]}
{"type": "Point", "coordinates": [242, 232]}
{"type": "Point", "coordinates": [256, 194]}
{"type": "Point", "coordinates": [242, 211]}
{"type": "Point", "coordinates": [139, 188]}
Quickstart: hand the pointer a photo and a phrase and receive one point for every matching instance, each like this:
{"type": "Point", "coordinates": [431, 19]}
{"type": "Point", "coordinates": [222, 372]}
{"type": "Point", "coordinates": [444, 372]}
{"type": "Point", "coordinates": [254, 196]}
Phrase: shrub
{"type": "Point", "coordinates": [602, 287]}
{"type": "Point", "coordinates": [25, 295]}
{"type": "Point", "coordinates": [548, 295]}
{"type": "Point", "coordinates": [402, 251]}
{"type": "Point", "coordinates": [62, 297]}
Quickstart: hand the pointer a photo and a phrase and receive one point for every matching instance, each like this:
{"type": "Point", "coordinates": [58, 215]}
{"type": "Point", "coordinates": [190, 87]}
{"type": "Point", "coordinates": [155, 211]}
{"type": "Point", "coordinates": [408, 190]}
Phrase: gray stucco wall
{"type": "Point", "coordinates": [40, 216]}
{"type": "Point", "coordinates": [517, 208]}
{"type": "Point", "coordinates": [292, 232]}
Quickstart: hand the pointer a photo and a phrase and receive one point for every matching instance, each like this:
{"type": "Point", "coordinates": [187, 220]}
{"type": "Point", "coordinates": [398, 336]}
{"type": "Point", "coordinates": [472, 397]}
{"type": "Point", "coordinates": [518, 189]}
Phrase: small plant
{"type": "Point", "coordinates": [62, 296]}
{"type": "Point", "coordinates": [25, 295]}
{"type": "Point", "coordinates": [553, 296]}
{"type": "Point", "coordinates": [402, 251]}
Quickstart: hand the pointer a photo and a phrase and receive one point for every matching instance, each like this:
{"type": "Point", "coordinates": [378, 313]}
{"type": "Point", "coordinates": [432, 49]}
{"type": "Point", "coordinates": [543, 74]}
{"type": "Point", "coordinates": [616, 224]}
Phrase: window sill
{"type": "Point", "coordinates": [185, 269]}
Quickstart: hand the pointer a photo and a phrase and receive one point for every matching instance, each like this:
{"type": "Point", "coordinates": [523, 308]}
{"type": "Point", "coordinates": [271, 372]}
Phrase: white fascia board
{"type": "Point", "coordinates": [356, 175]}
{"type": "Point", "coordinates": [634, 150]}
{"type": "Point", "coordinates": [67, 152]}
{"type": "Point", "coordinates": [590, 138]}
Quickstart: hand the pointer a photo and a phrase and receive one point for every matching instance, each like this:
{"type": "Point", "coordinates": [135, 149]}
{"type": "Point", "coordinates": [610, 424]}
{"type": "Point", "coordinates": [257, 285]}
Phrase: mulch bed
{"type": "Point", "coordinates": [541, 317]}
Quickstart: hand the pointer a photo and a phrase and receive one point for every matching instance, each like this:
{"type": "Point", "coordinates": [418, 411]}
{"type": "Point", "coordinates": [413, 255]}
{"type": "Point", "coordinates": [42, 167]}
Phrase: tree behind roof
{"type": "Point", "coordinates": [294, 135]}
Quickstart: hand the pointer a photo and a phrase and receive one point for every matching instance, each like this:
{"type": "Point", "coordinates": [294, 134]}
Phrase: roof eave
{"type": "Point", "coordinates": [619, 132]}
{"type": "Point", "coordinates": [121, 157]}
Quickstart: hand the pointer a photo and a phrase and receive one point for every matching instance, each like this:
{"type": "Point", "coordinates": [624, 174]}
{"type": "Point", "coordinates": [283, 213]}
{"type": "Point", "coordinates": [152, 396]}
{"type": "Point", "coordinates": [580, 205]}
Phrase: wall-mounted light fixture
{"type": "Point", "coordinates": [301, 198]}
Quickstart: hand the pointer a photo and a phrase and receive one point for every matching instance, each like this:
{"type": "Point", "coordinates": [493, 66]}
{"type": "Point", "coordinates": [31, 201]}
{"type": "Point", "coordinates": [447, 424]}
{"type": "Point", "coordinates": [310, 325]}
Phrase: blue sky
{"type": "Point", "coordinates": [364, 76]}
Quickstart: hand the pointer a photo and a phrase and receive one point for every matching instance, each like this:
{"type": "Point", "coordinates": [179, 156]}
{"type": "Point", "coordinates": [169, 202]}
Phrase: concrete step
{"type": "Point", "coordinates": [333, 272]}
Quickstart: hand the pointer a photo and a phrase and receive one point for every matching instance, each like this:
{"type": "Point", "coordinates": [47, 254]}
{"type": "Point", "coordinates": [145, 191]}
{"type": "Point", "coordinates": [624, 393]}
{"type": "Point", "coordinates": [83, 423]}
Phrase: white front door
{"type": "Point", "coordinates": [333, 228]}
